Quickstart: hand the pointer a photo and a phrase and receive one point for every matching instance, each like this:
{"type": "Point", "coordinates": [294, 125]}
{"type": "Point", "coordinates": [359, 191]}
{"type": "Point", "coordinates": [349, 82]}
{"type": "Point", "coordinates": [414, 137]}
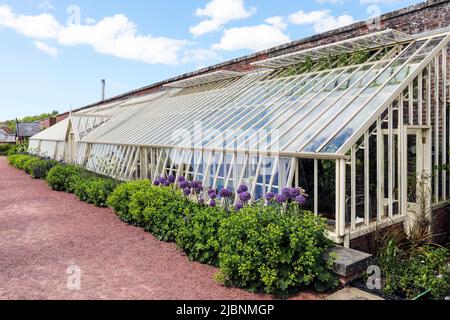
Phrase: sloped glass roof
{"type": "Point", "coordinates": [314, 112]}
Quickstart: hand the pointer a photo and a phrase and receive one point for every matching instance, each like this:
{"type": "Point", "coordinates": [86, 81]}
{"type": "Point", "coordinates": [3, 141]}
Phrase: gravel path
{"type": "Point", "coordinates": [47, 237]}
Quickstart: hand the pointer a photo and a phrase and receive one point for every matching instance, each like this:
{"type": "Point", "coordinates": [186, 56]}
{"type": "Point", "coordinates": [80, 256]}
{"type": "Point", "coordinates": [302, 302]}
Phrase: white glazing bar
{"type": "Point", "coordinates": [291, 172]}
{"type": "Point", "coordinates": [201, 155]}
{"type": "Point", "coordinates": [241, 177]}
{"type": "Point", "coordinates": [410, 104]}
{"type": "Point", "coordinates": [444, 121]}
{"type": "Point", "coordinates": [380, 171]}
{"type": "Point", "coordinates": [255, 180]}
{"type": "Point", "coordinates": [353, 189]}
{"type": "Point", "coordinates": [116, 164]}
{"type": "Point", "coordinates": [272, 176]}
{"type": "Point", "coordinates": [420, 97]}
{"type": "Point", "coordinates": [230, 171]}
{"type": "Point", "coordinates": [164, 164]}
{"type": "Point", "coordinates": [127, 163]}
{"type": "Point", "coordinates": [174, 153]}
{"type": "Point", "coordinates": [206, 170]}
{"type": "Point", "coordinates": [436, 129]}
{"type": "Point", "coordinates": [158, 163]}
{"type": "Point", "coordinates": [390, 162]}
{"type": "Point", "coordinates": [316, 187]}
{"type": "Point", "coordinates": [340, 211]}
{"type": "Point", "coordinates": [428, 95]}
{"type": "Point", "coordinates": [180, 166]}
{"type": "Point", "coordinates": [401, 158]}
{"type": "Point", "coordinates": [366, 179]}
{"type": "Point", "coordinates": [216, 174]}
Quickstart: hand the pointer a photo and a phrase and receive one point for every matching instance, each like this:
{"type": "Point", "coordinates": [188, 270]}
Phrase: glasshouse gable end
{"type": "Point", "coordinates": [360, 124]}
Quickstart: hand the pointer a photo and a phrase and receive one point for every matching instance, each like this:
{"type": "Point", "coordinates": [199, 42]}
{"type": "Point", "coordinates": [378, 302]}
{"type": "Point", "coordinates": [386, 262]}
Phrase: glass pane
{"type": "Point", "coordinates": [411, 150]}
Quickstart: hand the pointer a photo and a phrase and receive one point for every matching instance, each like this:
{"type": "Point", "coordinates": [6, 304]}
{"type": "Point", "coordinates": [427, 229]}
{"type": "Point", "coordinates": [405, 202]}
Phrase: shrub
{"type": "Point", "coordinates": [198, 234]}
{"type": "Point", "coordinates": [408, 274]}
{"type": "Point", "coordinates": [39, 169]}
{"type": "Point", "coordinates": [59, 177]}
{"type": "Point", "coordinates": [4, 148]}
{"type": "Point", "coordinates": [22, 161]}
{"type": "Point", "coordinates": [94, 190]}
{"type": "Point", "coordinates": [120, 198]}
{"type": "Point", "coordinates": [17, 149]}
{"type": "Point", "coordinates": [264, 250]}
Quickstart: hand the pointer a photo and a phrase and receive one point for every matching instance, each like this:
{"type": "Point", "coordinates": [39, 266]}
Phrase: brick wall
{"type": "Point", "coordinates": [419, 18]}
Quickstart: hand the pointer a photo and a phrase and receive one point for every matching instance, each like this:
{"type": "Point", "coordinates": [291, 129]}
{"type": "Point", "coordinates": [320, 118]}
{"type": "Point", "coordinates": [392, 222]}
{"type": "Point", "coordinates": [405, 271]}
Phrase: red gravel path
{"type": "Point", "coordinates": [43, 232]}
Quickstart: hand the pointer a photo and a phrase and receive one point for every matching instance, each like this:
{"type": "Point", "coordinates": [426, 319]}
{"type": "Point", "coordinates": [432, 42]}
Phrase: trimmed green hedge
{"type": "Point", "coordinates": [4, 149]}
{"type": "Point", "coordinates": [39, 169]}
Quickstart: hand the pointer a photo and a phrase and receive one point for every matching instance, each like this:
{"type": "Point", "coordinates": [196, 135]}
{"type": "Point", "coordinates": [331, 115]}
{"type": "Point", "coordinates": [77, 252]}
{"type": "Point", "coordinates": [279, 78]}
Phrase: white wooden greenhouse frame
{"type": "Point", "coordinates": [367, 124]}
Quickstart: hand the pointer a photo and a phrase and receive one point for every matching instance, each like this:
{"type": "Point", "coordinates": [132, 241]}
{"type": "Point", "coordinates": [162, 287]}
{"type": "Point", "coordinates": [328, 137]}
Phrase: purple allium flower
{"type": "Point", "coordinates": [156, 182]}
{"type": "Point", "coordinates": [194, 184]}
{"type": "Point", "coordinates": [161, 180]}
{"type": "Point", "coordinates": [187, 191]}
{"type": "Point", "coordinates": [181, 179]}
{"type": "Point", "coordinates": [285, 192]}
{"type": "Point", "coordinates": [281, 198]}
{"type": "Point", "coordinates": [212, 193]}
{"type": "Point", "coordinates": [294, 193]}
{"type": "Point", "coordinates": [166, 183]}
{"type": "Point", "coordinates": [301, 200]}
{"type": "Point", "coordinates": [239, 205]}
{"type": "Point", "coordinates": [183, 185]}
{"type": "Point", "coordinates": [225, 193]}
{"type": "Point", "coordinates": [201, 201]}
{"type": "Point", "coordinates": [242, 188]}
{"type": "Point", "coordinates": [212, 203]}
{"type": "Point", "coordinates": [245, 196]}
{"type": "Point", "coordinates": [270, 196]}
{"type": "Point", "coordinates": [199, 189]}
{"type": "Point", "coordinates": [171, 178]}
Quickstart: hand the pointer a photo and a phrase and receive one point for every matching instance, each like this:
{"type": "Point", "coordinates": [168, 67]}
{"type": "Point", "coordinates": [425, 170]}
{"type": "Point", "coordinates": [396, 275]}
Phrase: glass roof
{"type": "Point", "coordinates": [371, 41]}
{"type": "Point", "coordinates": [317, 112]}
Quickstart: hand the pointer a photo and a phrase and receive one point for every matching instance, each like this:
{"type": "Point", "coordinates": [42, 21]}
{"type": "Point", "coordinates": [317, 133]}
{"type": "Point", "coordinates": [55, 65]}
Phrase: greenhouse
{"type": "Point", "coordinates": [361, 125]}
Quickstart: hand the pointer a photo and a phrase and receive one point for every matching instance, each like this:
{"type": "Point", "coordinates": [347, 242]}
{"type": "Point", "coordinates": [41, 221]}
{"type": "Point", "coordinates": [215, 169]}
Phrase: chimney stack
{"type": "Point", "coordinates": [103, 89]}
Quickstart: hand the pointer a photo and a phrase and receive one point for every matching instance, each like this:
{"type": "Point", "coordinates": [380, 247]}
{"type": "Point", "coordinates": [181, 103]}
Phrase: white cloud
{"type": "Point", "coordinates": [254, 38]}
{"type": "Point", "coordinates": [115, 35]}
{"type": "Point", "coordinates": [219, 13]}
{"type": "Point", "coordinates": [45, 48]}
{"type": "Point", "coordinates": [46, 5]}
{"type": "Point", "coordinates": [198, 55]}
{"type": "Point", "coordinates": [321, 20]}
{"type": "Point", "coordinates": [90, 20]}
{"type": "Point", "coordinates": [42, 26]}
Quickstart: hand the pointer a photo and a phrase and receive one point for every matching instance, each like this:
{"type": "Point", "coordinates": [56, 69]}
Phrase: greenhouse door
{"type": "Point", "coordinates": [417, 170]}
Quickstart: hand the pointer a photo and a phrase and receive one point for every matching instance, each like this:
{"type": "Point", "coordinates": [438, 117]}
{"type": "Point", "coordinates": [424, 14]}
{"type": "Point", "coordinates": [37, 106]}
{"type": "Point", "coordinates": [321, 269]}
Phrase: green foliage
{"type": "Point", "coordinates": [198, 234]}
{"type": "Point", "coordinates": [263, 250]}
{"type": "Point", "coordinates": [410, 274]}
{"type": "Point", "coordinates": [59, 177]}
{"type": "Point", "coordinates": [39, 169]}
{"type": "Point", "coordinates": [4, 148]}
{"type": "Point", "coordinates": [93, 189]}
{"type": "Point", "coordinates": [120, 198]}
{"type": "Point", "coordinates": [23, 162]}
{"type": "Point", "coordinates": [11, 124]}
{"type": "Point", "coordinates": [17, 149]}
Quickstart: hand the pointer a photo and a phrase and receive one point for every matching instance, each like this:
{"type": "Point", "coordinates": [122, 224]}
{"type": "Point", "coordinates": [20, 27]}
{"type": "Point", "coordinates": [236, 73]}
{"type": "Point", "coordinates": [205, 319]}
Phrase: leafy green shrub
{"type": "Point", "coordinates": [22, 161]}
{"type": "Point", "coordinates": [59, 177]}
{"type": "Point", "coordinates": [4, 148]}
{"type": "Point", "coordinates": [120, 198]}
{"type": "Point", "coordinates": [94, 190]}
{"type": "Point", "coordinates": [198, 234]}
{"type": "Point", "coordinates": [39, 169]}
{"type": "Point", "coordinates": [17, 149]}
{"type": "Point", "coordinates": [262, 249]}
{"type": "Point", "coordinates": [408, 274]}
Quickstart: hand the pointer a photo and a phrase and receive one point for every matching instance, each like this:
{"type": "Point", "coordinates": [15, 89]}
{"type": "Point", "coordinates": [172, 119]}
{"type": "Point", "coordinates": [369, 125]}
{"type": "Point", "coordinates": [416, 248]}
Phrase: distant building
{"type": "Point", "coordinates": [25, 130]}
{"type": "Point", "coordinates": [7, 136]}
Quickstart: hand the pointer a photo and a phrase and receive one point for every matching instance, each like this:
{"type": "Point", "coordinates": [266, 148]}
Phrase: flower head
{"type": "Point", "coordinates": [225, 193]}
{"type": "Point", "coordinates": [161, 180]}
{"type": "Point", "coordinates": [281, 198]}
{"type": "Point", "coordinates": [239, 205]}
{"type": "Point", "coordinates": [166, 183]}
{"type": "Point", "coordinates": [171, 178]}
{"type": "Point", "coordinates": [194, 184]}
{"type": "Point", "coordinates": [183, 185]}
{"type": "Point", "coordinates": [186, 191]}
{"type": "Point", "coordinates": [301, 200]}
{"type": "Point", "coordinates": [270, 196]}
{"type": "Point", "coordinates": [294, 193]}
{"type": "Point", "coordinates": [212, 203]}
{"type": "Point", "coordinates": [156, 182]}
{"type": "Point", "coordinates": [181, 178]}
{"type": "Point", "coordinates": [285, 192]}
{"type": "Point", "coordinates": [245, 196]}
{"type": "Point", "coordinates": [242, 188]}
{"type": "Point", "coordinates": [201, 201]}
{"type": "Point", "coordinates": [212, 193]}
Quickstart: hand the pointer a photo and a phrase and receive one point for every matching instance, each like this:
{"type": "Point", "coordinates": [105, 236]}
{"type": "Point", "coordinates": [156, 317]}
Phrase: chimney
{"type": "Point", "coordinates": [103, 89]}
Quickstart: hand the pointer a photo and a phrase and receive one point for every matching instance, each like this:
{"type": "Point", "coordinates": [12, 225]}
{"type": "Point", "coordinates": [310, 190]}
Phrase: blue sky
{"type": "Point", "coordinates": [54, 53]}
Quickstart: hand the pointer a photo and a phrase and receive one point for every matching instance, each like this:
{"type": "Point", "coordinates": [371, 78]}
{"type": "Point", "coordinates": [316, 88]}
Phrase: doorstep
{"type": "Point", "coordinates": [349, 293]}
